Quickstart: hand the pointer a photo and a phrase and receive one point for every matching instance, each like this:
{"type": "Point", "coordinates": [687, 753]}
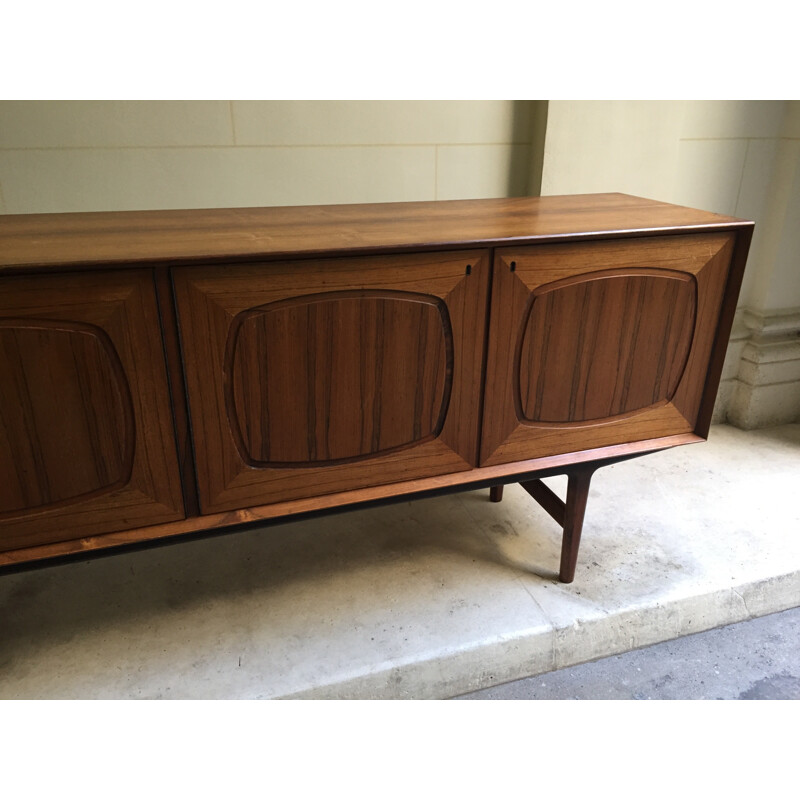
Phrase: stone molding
{"type": "Point", "coordinates": [761, 377]}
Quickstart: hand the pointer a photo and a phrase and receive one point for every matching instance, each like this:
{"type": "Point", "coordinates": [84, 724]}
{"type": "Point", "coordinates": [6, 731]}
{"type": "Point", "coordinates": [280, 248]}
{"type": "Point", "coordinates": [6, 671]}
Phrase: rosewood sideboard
{"type": "Point", "coordinates": [164, 374]}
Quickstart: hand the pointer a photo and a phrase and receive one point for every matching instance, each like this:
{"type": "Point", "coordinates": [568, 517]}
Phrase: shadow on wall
{"type": "Point", "coordinates": [537, 135]}
{"type": "Point", "coordinates": [529, 123]}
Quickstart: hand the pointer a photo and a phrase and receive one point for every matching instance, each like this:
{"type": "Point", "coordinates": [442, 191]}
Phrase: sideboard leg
{"type": "Point", "coordinates": [496, 494]}
{"type": "Point", "coordinates": [575, 509]}
{"type": "Point", "coordinates": [569, 515]}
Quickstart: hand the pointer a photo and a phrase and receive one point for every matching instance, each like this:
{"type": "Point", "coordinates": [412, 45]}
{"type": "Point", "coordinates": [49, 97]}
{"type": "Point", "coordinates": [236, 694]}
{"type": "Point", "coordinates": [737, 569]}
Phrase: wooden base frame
{"type": "Point", "coordinates": [568, 514]}
{"type": "Point", "coordinates": [570, 518]}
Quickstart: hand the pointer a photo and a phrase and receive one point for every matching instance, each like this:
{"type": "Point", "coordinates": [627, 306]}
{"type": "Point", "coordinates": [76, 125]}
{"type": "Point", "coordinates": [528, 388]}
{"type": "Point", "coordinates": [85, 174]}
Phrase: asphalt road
{"type": "Point", "coordinates": [754, 660]}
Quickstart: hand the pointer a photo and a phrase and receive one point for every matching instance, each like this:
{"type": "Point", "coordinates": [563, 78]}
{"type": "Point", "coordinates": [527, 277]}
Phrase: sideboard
{"type": "Point", "coordinates": [170, 373]}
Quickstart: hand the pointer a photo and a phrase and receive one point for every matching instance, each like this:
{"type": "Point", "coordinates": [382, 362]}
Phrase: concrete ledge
{"type": "Point", "coordinates": [421, 600]}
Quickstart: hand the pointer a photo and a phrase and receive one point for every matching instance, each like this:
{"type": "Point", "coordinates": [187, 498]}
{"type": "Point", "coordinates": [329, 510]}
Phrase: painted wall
{"type": "Point", "coordinates": [123, 155]}
{"type": "Point", "coordinates": [733, 157]}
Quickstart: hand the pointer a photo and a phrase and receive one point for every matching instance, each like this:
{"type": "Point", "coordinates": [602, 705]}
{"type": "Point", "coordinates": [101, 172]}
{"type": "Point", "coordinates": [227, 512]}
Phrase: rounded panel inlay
{"type": "Point", "coordinates": [66, 419]}
{"type": "Point", "coordinates": [337, 376]}
{"type": "Point", "coordinates": [604, 345]}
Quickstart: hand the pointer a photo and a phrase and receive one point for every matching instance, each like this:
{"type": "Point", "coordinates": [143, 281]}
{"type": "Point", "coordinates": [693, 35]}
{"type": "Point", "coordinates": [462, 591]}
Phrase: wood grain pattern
{"type": "Point", "coordinates": [603, 345]}
{"type": "Point", "coordinates": [622, 372]}
{"type": "Point", "coordinates": [338, 376]}
{"type": "Point", "coordinates": [104, 406]}
{"type": "Point", "coordinates": [67, 430]}
{"type": "Point", "coordinates": [557, 262]}
{"type": "Point", "coordinates": [711, 279]}
{"type": "Point", "coordinates": [210, 299]}
{"type": "Point", "coordinates": [227, 235]}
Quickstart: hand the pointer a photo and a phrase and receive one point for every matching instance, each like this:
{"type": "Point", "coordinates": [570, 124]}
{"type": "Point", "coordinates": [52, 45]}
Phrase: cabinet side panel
{"type": "Point", "coordinates": [719, 348]}
{"type": "Point", "coordinates": [711, 280]}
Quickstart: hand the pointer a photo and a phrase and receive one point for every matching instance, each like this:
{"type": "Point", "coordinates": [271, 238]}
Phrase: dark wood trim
{"type": "Point", "coordinates": [723, 332]}
{"type": "Point", "coordinates": [177, 388]}
{"type": "Point", "coordinates": [484, 362]}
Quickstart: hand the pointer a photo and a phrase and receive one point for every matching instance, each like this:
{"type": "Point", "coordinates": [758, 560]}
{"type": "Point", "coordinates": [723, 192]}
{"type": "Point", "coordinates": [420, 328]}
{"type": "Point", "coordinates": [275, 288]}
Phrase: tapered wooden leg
{"type": "Point", "coordinates": [496, 494]}
{"type": "Point", "coordinates": [574, 511]}
{"type": "Point", "coordinates": [569, 515]}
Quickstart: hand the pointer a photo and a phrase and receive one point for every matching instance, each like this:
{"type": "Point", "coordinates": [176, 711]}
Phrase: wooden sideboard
{"type": "Point", "coordinates": [168, 373]}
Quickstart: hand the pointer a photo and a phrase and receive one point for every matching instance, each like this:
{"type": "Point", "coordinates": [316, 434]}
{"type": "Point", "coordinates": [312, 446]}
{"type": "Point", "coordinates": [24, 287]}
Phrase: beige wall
{"type": "Point", "coordinates": [122, 155]}
{"type": "Point", "coordinates": [733, 157]}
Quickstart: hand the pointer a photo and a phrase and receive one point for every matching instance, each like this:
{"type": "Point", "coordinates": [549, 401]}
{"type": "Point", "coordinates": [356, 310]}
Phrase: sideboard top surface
{"type": "Point", "coordinates": [177, 236]}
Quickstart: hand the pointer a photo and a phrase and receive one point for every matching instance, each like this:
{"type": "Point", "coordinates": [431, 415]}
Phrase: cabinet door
{"type": "Point", "coordinates": [86, 437]}
{"type": "Point", "coordinates": [600, 343]}
{"type": "Point", "coordinates": [315, 377]}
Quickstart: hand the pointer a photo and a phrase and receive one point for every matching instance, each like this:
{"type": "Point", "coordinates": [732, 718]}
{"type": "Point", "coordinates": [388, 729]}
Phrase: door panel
{"type": "Point", "coordinates": [93, 430]}
{"type": "Point", "coordinates": [86, 439]}
{"type": "Point", "coordinates": [625, 361]}
{"type": "Point", "coordinates": [297, 396]}
{"type": "Point", "coordinates": [313, 377]}
{"type": "Point", "coordinates": [599, 343]}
